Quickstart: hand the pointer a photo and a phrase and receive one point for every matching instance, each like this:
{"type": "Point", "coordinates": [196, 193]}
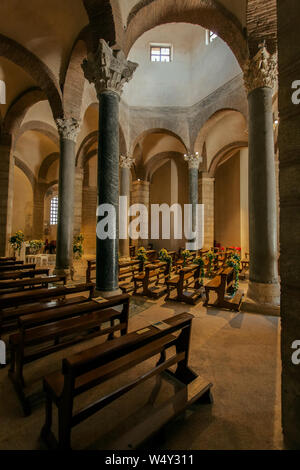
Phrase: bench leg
{"type": "Point", "coordinates": [46, 429]}
{"type": "Point", "coordinates": [64, 430]}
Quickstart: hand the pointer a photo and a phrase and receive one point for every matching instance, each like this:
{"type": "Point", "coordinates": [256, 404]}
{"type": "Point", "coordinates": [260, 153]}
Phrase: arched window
{"type": "Point", "coordinates": [53, 210]}
{"type": "Point", "coordinates": [2, 92]}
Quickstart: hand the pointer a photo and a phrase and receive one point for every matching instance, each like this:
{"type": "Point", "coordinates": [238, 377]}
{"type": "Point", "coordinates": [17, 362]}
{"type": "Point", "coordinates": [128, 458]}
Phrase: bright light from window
{"type": "Point", "coordinates": [54, 210]}
{"type": "Point", "coordinates": [160, 53]}
{"type": "Point", "coordinates": [2, 92]}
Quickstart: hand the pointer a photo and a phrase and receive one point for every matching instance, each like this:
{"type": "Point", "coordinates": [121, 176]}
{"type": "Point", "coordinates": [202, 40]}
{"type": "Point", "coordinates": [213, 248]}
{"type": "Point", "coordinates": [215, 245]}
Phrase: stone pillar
{"type": "Point", "coordinates": [207, 198]}
{"type": "Point", "coordinates": [244, 200]}
{"type": "Point", "coordinates": [38, 210]}
{"type": "Point", "coordinates": [140, 194]}
{"type": "Point", "coordinates": [6, 191]}
{"type": "Point", "coordinates": [260, 79]}
{"type": "Point", "coordinates": [68, 130]}
{"type": "Point", "coordinates": [289, 175]}
{"type": "Point", "coordinates": [108, 70]}
{"type": "Point", "coordinates": [194, 161]}
{"type": "Point", "coordinates": [78, 200]}
{"type": "Point", "coordinates": [126, 163]}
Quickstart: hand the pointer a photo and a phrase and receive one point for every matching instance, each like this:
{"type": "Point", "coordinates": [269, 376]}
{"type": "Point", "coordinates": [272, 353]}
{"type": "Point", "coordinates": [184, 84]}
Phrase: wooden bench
{"type": "Point", "coordinates": [187, 285]}
{"type": "Point", "coordinates": [62, 327]}
{"type": "Point", "coordinates": [23, 274]}
{"type": "Point", "coordinates": [149, 281]}
{"type": "Point", "coordinates": [126, 275]}
{"type": "Point", "coordinates": [11, 263]}
{"type": "Point", "coordinates": [4, 259]}
{"type": "Point", "coordinates": [13, 305]}
{"type": "Point", "coordinates": [30, 284]}
{"type": "Point", "coordinates": [84, 371]}
{"type": "Point", "coordinates": [222, 285]}
{"type": "Point", "coordinates": [13, 267]}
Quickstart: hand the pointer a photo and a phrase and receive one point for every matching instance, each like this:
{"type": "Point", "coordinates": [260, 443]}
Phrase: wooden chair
{"type": "Point", "coordinates": [62, 327]}
{"type": "Point", "coordinates": [222, 285]}
{"type": "Point", "coordinates": [86, 370]}
{"type": "Point", "coordinates": [187, 285]}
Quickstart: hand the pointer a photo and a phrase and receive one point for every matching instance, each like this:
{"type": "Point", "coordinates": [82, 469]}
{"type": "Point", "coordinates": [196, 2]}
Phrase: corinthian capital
{"type": "Point", "coordinates": [261, 70]}
{"type": "Point", "coordinates": [68, 128]}
{"type": "Point", "coordinates": [126, 161]}
{"type": "Point", "coordinates": [108, 69]}
{"type": "Point", "coordinates": [193, 160]}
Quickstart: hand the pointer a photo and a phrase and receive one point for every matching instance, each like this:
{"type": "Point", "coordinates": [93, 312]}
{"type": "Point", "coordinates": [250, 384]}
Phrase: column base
{"type": "Point", "coordinates": [262, 298]}
{"type": "Point", "coordinates": [69, 272]}
{"type": "Point", "coordinates": [107, 294]}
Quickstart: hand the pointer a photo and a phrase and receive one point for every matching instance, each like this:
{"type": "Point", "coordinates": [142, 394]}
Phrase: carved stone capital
{"type": "Point", "coordinates": [126, 161]}
{"type": "Point", "coordinates": [194, 160]}
{"type": "Point", "coordinates": [261, 71]}
{"type": "Point", "coordinates": [68, 128]}
{"type": "Point", "coordinates": [108, 69]}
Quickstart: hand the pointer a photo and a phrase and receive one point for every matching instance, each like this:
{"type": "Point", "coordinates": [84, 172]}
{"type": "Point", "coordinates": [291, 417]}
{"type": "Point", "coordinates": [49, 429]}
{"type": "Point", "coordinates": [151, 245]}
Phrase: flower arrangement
{"type": "Point", "coordinates": [200, 262]}
{"type": "Point", "coordinates": [36, 245]}
{"type": "Point", "coordinates": [78, 246]}
{"type": "Point", "coordinates": [17, 240]}
{"type": "Point", "coordinates": [185, 254]}
{"type": "Point", "coordinates": [166, 258]}
{"type": "Point", "coordinates": [235, 262]}
{"type": "Point", "coordinates": [211, 256]}
{"type": "Point", "coordinates": [142, 257]}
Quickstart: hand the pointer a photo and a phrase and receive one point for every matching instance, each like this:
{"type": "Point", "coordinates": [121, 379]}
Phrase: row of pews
{"type": "Point", "coordinates": [186, 281]}
{"type": "Point", "coordinates": [38, 320]}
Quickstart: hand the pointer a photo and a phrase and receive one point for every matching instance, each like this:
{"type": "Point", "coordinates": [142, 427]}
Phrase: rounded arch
{"type": "Point", "coordinates": [39, 71]}
{"type": "Point", "coordinates": [159, 159]}
{"type": "Point", "coordinates": [26, 170]}
{"type": "Point", "coordinates": [84, 148]}
{"type": "Point", "coordinates": [224, 154]}
{"type": "Point", "coordinates": [209, 14]}
{"type": "Point", "coordinates": [41, 127]}
{"type": "Point", "coordinates": [47, 162]}
{"type": "Point", "coordinates": [157, 130]}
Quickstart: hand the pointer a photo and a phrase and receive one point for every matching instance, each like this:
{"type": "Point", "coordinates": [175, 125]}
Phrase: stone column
{"type": "Point", "coordinates": [140, 194]}
{"type": "Point", "coordinates": [38, 210]}
{"type": "Point", "coordinates": [6, 191]}
{"type": "Point", "coordinates": [126, 163]}
{"type": "Point", "coordinates": [68, 130]}
{"type": "Point", "coordinates": [78, 200]}
{"type": "Point", "coordinates": [194, 161]}
{"type": "Point", "coordinates": [108, 70]}
{"type": "Point", "coordinates": [207, 198]}
{"type": "Point", "coordinates": [260, 80]}
{"type": "Point", "coordinates": [244, 200]}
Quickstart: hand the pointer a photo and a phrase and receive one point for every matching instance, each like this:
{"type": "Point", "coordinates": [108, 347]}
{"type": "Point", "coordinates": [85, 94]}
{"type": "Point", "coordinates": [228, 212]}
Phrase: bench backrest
{"type": "Point", "coordinates": [188, 272]}
{"type": "Point", "coordinates": [13, 267]}
{"type": "Point", "coordinates": [93, 358]}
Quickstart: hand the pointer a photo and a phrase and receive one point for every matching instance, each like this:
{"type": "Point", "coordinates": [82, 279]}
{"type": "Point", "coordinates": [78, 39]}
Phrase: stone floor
{"type": "Point", "coordinates": [237, 352]}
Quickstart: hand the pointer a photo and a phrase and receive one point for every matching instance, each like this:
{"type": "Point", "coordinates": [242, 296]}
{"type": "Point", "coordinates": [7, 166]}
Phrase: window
{"type": "Point", "coordinates": [160, 53]}
{"type": "Point", "coordinates": [2, 92]}
{"type": "Point", "coordinates": [210, 37]}
{"type": "Point", "coordinates": [53, 210]}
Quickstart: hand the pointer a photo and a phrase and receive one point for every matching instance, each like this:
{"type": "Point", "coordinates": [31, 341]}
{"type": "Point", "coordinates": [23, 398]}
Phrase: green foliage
{"type": "Point", "coordinates": [36, 245]}
{"type": "Point", "coordinates": [165, 258]}
{"type": "Point", "coordinates": [78, 246]}
{"type": "Point", "coordinates": [17, 240]}
{"type": "Point", "coordinates": [200, 261]}
{"type": "Point", "coordinates": [235, 262]}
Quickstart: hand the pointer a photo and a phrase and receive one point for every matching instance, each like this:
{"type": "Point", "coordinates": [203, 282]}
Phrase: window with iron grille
{"type": "Point", "coordinates": [160, 53]}
{"type": "Point", "coordinates": [54, 210]}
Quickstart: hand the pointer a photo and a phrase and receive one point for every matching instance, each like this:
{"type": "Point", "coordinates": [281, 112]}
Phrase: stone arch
{"type": "Point", "coordinates": [41, 127]}
{"type": "Point", "coordinates": [155, 131]}
{"type": "Point", "coordinates": [157, 160]}
{"type": "Point", "coordinates": [225, 153]}
{"type": "Point", "coordinates": [47, 162]}
{"type": "Point", "coordinates": [39, 71]}
{"type": "Point", "coordinates": [26, 170]}
{"type": "Point", "coordinates": [209, 14]}
{"type": "Point", "coordinates": [101, 18]}
{"type": "Point", "coordinates": [19, 107]}
{"type": "Point", "coordinates": [84, 148]}
{"type": "Point", "coordinates": [74, 81]}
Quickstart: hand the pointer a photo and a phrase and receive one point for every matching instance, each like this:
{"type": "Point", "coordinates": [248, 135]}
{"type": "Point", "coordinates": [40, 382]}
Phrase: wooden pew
{"type": "Point", "coordinates": [14, 267]}
{"type": "Point", "coordinates": [4, 259]}
{"type": "Point", "coordinates": [62, 327]}
{"type": "Point", "coordinates": [13, 305]}
{"type": "Point", "coordinates": [23, 274]}
{"type": "Point", "coordinates": [149, 281]}
{"type": "Point", "coordinates": [187, 285]}
{"type": "Point", "coordinates": [126, 274]}
{"type": "Point", "coordinates": [84, 371]}
{"type": "Point", "coordinates": [222, 285]}
{"type": "Point", "coordinates": [17, 285]}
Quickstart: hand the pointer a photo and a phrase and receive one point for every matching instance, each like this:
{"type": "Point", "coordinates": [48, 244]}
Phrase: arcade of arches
{"type": "Point", "coordinates": [88, 116]}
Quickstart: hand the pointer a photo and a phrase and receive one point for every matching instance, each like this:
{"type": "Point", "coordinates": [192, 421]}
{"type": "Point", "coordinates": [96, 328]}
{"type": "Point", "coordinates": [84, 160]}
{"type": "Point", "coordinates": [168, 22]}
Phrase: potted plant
{"type": "Point", "coordinates": [166, 258]}
{"type": "Point", "coordinates": [78, 246]}
{"type": "Point", "coordinates": [35, 246]}
{"type": "Point", "coordinates": [142, 257]}
{"type": "Point", "coordinates": [16, 241]}
{"type": "Point", "coordinates": [185, 254]}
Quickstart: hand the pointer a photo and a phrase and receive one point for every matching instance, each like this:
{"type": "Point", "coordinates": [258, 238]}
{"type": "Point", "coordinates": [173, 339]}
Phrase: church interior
{"type": "Point", "coordinates": [130, 342]}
